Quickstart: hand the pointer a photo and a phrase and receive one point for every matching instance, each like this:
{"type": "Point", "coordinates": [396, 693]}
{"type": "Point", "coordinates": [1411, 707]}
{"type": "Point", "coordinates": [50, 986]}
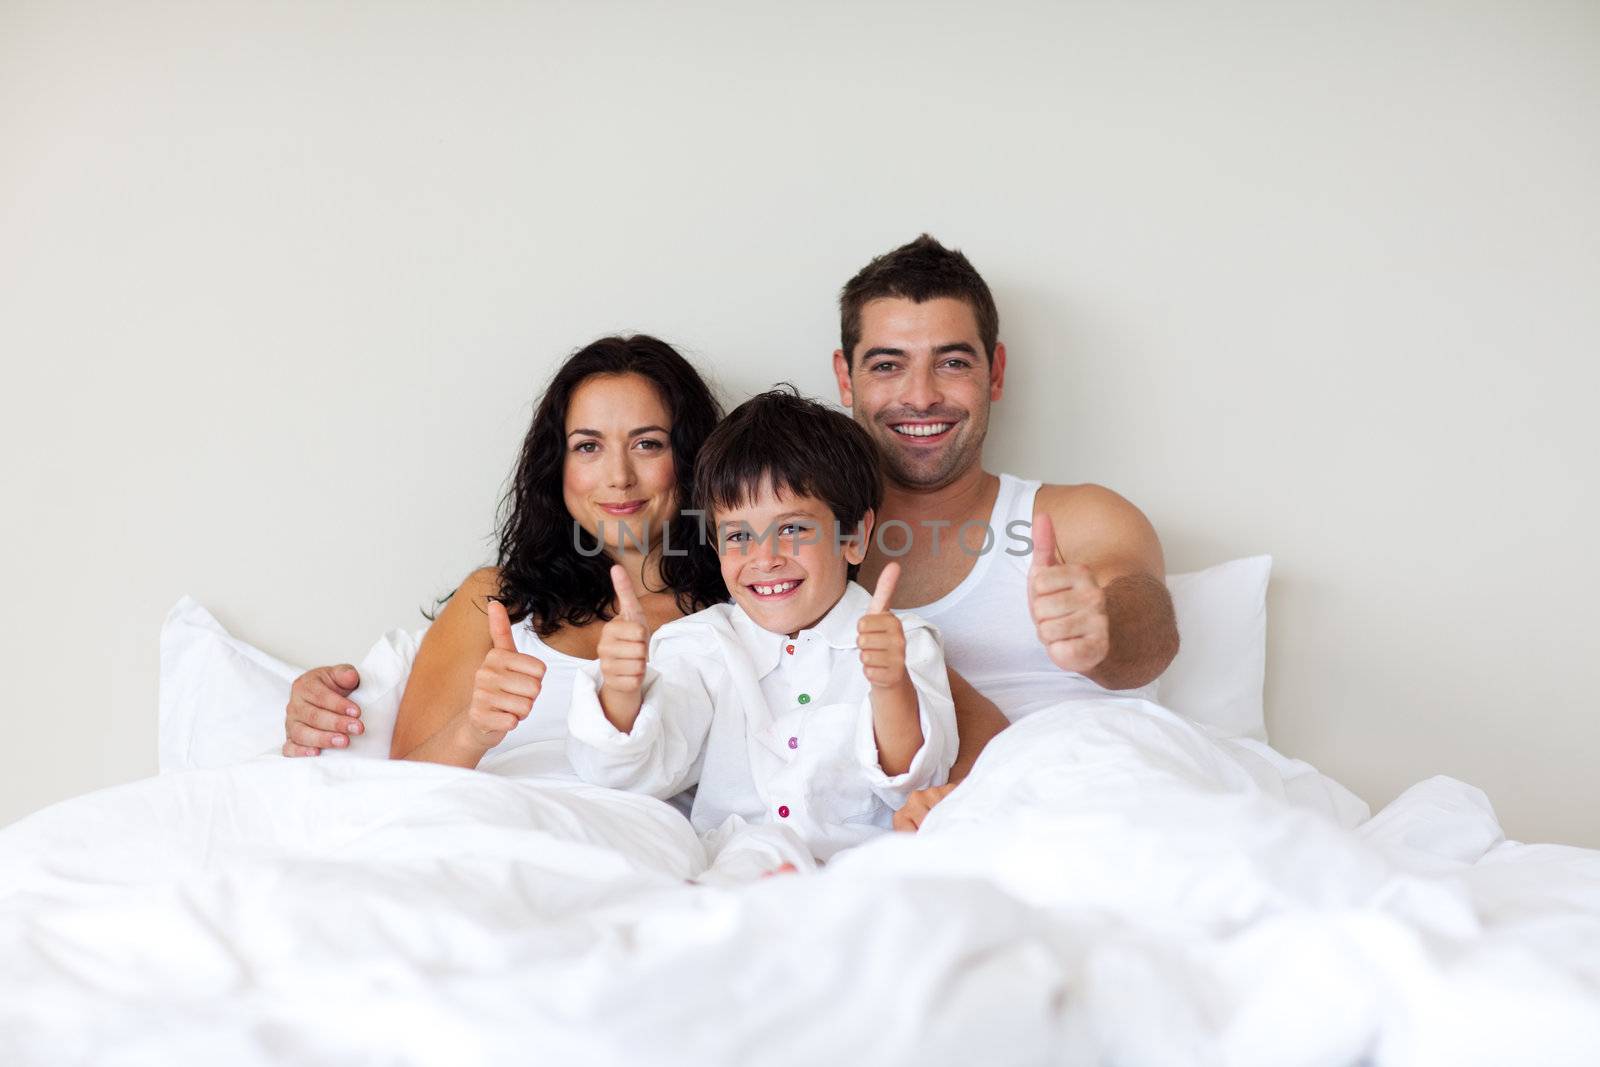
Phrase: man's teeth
{"type": "Point", "coordinates": [774, 590]}
{"type": "Point", "coordinates": [929, 430]}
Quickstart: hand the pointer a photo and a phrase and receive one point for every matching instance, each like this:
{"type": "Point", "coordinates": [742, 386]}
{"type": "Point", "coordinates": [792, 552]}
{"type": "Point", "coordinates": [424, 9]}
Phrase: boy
{"type": "Point", "coordinates": [803, 705]}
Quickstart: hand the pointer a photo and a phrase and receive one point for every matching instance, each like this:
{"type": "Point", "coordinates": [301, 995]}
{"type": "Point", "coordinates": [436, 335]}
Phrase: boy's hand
{"type": "Point", "coordinates": [880, 637]}
{"type": "Point", "coordinates": [624, 647]}
{"type": "Point", "coordinates": [505, 687]}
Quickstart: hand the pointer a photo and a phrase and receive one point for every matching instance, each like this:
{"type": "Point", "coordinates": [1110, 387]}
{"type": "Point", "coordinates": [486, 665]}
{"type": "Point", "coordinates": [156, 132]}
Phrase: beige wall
{"type": "Point", "coordinates": [278, 282]}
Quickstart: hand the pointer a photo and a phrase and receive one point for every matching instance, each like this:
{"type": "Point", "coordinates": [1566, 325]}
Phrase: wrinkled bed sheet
{"type": "Point", "coordinates": [1109, 886]}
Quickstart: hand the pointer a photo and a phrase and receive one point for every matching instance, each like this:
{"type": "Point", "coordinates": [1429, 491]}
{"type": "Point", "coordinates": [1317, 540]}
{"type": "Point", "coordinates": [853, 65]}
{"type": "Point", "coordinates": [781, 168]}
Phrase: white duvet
{"type": "Point", "coordinates": [1109, 886]}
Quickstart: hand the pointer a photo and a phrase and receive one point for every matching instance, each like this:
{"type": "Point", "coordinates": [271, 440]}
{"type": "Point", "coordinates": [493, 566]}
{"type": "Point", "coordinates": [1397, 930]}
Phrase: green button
{"type": "Point", "coordinates": [805, 698]}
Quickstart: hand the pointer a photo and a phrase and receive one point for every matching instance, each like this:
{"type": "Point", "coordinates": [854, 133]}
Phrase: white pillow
{"type": "Point", "coordinates": [222, 700]}
{"type": "Point", "coordinates": [1221, 666]}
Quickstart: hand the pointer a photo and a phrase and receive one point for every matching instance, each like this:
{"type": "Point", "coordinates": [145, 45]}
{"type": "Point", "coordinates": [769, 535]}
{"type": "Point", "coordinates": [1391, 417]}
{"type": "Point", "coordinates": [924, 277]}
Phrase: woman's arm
{"type": "Point", "coordinates": [433, 723]}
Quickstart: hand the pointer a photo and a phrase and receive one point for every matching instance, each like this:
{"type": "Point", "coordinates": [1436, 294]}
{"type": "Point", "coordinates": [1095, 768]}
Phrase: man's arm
{"type": "Point", "coordinates": [1099, 531]}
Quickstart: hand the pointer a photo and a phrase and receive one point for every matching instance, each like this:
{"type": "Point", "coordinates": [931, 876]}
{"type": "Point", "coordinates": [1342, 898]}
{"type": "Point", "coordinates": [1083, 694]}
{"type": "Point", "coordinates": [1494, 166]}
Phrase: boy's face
{"type": "Point", "coordinates": [780, 560]}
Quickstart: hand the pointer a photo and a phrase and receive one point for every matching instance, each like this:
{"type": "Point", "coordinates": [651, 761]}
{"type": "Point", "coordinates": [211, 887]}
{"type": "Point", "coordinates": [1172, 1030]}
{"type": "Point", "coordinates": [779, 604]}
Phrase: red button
{"type": "Point", "coordinates": [794, 742]}
{"type": "Point", "coordinates": [789, 649]}
{"type": "Point", "coordinates": [783, 811]}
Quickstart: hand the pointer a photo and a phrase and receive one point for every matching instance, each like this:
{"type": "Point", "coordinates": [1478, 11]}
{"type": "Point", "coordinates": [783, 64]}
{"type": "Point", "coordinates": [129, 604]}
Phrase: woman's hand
{"type": "Point", "coordinates": [320, 713]}
{"type": "Point", "coordinates": [505, 687]}
{"type": "Point", "coordinates": [624, 654]}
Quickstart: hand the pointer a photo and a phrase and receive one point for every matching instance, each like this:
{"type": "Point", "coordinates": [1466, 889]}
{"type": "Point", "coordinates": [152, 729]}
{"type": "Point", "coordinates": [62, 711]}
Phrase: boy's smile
{"type": "Point", "coordinates": [780, 560]}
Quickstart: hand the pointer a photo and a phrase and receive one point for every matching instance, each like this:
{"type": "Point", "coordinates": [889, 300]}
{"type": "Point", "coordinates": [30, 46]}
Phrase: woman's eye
{"type": "Point", "coordinates": [651, 444]}
{"type": "Point", "coordinates": [586, 446]}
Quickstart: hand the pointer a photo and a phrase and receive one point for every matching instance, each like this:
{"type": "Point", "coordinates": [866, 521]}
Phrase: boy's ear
{"type": "Point", "coordinates": [855, 548]}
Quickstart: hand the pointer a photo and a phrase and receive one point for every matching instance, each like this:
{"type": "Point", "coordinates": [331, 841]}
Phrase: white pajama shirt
{"type": "Point", "coordinates": [774, 730]}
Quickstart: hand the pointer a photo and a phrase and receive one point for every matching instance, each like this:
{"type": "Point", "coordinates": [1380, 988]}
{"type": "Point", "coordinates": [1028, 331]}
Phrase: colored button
{"type": "Point", "coordinates": [789, 649]}
{"type": "Point", "coordinates": [794, 742]}
{"type": "Point", "coordinates": [783, 811]}
{"type": "Point", "coordinates": [805, 698]}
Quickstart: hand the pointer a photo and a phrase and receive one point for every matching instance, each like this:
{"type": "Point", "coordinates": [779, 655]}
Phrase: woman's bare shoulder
{"type": "Point", "coordinates": [466, 612]}
{"type": "Point", "coordinates": [481, 584]}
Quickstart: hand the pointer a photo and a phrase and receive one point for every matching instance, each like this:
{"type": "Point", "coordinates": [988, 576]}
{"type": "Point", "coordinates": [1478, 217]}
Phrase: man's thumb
{"type": "Point", "coordinates": [1044, 541]}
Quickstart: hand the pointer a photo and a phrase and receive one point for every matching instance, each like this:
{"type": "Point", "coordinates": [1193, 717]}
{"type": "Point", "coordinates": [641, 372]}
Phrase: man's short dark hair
{"type": "Point", "coordinates": [797, 445]}
{"type": "Point", "coordinates": [920, 271]}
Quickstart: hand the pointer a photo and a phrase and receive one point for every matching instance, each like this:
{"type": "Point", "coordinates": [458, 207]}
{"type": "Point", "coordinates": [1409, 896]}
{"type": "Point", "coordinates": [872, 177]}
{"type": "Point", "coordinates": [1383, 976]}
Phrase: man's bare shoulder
{"type": "Point", "coordinates": [1102, 528]}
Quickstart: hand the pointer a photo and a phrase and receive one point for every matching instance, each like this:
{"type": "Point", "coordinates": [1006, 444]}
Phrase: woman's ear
{"type": "Point", "coordinates": [855, 548]}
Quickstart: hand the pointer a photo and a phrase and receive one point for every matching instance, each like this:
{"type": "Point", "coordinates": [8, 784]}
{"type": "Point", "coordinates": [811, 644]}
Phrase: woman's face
{"type": "Point", "coordinates": [619, 480]}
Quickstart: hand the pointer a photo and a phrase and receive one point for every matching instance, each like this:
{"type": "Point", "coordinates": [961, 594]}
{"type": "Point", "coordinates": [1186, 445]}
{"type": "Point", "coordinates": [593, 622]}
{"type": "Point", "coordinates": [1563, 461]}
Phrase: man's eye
{"type": "Point", "coordinates": [881, 368]}
{"type": "Point", "coordinates": [958, 363]}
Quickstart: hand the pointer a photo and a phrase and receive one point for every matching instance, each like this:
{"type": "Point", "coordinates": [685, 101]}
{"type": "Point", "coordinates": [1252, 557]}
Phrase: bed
{"type": "Point", "coordinates": [1115, 883]}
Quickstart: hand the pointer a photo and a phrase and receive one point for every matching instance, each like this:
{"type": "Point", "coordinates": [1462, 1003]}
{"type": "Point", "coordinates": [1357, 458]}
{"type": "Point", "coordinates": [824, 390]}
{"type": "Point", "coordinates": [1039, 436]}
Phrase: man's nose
{"type": "Point", "coordinates": [921, 390]}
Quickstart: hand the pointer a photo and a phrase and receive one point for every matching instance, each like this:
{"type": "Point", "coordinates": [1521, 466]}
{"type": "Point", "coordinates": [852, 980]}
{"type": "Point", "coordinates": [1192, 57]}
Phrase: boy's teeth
{"type": "Point", "coordinates": [924, 431]}
{"type": "Point", "coordinates": [770, 590]}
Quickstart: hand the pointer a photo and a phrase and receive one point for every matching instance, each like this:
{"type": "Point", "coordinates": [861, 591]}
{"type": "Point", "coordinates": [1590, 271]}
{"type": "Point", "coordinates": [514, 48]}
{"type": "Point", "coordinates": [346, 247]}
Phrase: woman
{"type": "Point", "coordinates": [604, 469]}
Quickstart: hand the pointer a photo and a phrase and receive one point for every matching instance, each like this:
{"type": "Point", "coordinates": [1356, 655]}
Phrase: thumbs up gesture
{"type": "Point", "coordinates": [880, 637]}
{"type": "Point", "coordinates": [624, 644]}
{"type": "Point", "coordinates": [1067, 604]}
{"type": "Point", "coordinates": [505, 687]}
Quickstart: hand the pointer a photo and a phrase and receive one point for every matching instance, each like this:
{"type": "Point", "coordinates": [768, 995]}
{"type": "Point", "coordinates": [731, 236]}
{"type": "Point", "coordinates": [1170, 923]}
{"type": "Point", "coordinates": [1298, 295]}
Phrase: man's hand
{"type": "Point", "coordinates": [320, 713]}
{"type": "Point", "coordinates": [909, 818]}
{"type": "Point", "coordinates": [881, 638]}
{"type": "Point", "coordinates": [505, 687]}
{"type": "Point", "coordinates": [1067, 604]}
{"type": "Point", "coordinates": [624, 654]}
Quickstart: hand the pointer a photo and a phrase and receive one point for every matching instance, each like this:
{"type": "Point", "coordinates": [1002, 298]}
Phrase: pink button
{"type": "Point", "coordinates": [794, 742]}
{"type": "Point", "coordinates": [789, 649]}
{"type": "Point", "coordinates": [783, 811]}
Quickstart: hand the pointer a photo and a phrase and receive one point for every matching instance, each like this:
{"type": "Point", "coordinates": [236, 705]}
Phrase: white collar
{"type": "Point", "coordinates": [837, 628]}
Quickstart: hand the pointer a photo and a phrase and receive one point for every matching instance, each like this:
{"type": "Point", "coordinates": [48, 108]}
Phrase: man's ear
{"type": "Point", "coordinates": [855, 549]}
{"type": "Point", "coordinates": [841, 372]}
{"type": "Point", "coordinates": [997, 372]}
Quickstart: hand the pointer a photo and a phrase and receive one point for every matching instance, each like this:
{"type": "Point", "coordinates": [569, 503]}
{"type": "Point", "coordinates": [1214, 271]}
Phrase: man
{"type": "Point", "coordinates": [1087, 611]}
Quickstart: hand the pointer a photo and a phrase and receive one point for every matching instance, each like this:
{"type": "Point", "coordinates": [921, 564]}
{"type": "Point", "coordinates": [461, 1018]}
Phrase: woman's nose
{"type": "Point", "coordinates": [619, 471]}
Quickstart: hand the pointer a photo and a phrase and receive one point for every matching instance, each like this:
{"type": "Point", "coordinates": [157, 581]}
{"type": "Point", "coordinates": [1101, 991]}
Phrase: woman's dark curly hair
{"type": "Point", "coordinates": [542, 572]}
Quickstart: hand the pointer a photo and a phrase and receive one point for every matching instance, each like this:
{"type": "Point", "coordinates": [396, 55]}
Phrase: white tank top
{"type": "Point", "coordinates": [537, 748]}
{"type": "Point", "coordinates": [988, 632]}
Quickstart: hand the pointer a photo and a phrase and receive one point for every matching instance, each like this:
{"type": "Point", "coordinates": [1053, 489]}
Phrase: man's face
{"type": "Point", "coordinates": [922, 387]}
